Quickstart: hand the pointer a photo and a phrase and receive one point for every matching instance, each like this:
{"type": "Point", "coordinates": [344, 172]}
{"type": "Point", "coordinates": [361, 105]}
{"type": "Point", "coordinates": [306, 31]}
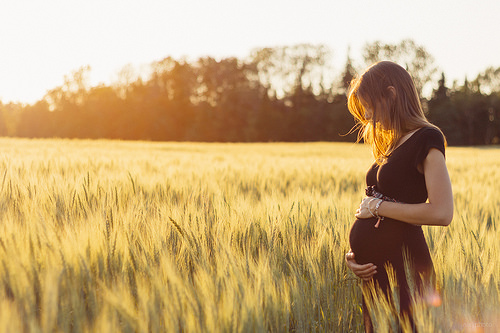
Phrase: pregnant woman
{"type": "Point", "coordinates": [407, 186]}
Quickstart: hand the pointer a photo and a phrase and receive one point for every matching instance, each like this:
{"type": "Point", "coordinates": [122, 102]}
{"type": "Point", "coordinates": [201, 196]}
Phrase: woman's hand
{"type": "Point", "coordinates": [364, 272]}
{"type": "Point", "coordinates": [366, 208]}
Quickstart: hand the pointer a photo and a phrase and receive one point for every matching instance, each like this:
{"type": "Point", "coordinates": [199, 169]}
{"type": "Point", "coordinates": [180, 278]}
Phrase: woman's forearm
{"type": "Point", "coordinates": [418, 214]}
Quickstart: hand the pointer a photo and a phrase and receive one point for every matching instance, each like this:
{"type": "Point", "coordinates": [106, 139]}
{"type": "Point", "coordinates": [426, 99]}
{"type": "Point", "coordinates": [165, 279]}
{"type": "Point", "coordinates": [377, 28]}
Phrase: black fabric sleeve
{"type": "Point", "coordinates": [430, 138]}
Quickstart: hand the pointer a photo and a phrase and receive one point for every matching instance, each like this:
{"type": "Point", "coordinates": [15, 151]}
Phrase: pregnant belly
{"type": "Point", "coordinates": [376, 245]}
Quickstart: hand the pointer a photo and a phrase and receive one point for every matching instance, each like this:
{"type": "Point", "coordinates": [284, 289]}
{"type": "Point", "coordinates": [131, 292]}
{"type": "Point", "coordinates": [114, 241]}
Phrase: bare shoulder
{"type": "Point", "coordinates": [435, 157]}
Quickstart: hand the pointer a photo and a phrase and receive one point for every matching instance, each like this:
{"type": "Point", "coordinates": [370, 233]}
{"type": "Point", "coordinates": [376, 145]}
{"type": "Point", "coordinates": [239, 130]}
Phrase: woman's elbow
{"type": "Point", "coordinates": [442, 212]}
{"type": "Point", "coordinates": [444, 219]}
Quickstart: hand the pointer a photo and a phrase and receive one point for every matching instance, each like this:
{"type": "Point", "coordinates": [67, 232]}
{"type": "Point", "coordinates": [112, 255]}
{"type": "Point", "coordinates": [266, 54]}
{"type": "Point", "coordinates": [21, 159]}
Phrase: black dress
{"type": "Point", "coordinates": [399, 179]}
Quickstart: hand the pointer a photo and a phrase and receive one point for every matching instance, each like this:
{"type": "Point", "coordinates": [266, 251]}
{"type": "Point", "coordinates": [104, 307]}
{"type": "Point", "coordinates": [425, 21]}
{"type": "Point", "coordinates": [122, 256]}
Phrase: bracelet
{"type": "Point", "coordinates": [380, 218]}
{"type": "Point", "coordinates": [377, 206]}
{"type": "Point", "coordinates": [369, 202]}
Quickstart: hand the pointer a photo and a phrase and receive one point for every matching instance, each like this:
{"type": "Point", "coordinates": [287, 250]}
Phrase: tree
{"type": "Point", "coordinates": [489, 80]}
{"type": "Point", "coordinates": [442, 114]}
{"type": "Point", "coordinates": [125, 80]}
{"type": "Point", "coordinates": [9, 117]}
{"type": "Point", "coordinates": [348, 74]}
{"type": "Point", "coordinates": [283, 70]}
{"type": "Point", "coordinates": [36, 121]}
{"type": "Point", "coordinates": [471, 110]}
{"type": "Point", "coordinates": [102, 112]}
{"type": "Point", "coordinates": [230, 95]}
{"type": "Point", "coordinates": [3, 122]}
{"type": "Point", "coordinates": [73, 90]}
{"type": "Point", "coordinates": [414, 58]}
{"type": "Point", "coordinates": [172, 88]}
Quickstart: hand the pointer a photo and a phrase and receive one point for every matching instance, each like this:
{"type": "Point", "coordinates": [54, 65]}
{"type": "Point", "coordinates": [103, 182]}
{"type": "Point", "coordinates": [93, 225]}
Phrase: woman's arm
{"type": "Point", "coordinates": [439, 208]}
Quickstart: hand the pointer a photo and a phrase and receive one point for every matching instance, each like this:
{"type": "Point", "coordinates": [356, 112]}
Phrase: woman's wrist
{"type": "Point", "coordinates": [370, 208]}
{"type": "Point", "coordinates": [373, 209]}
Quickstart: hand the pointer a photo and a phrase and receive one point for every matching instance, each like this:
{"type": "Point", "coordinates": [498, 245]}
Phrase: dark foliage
{"type": "Point", "coordinates": [277, 94]}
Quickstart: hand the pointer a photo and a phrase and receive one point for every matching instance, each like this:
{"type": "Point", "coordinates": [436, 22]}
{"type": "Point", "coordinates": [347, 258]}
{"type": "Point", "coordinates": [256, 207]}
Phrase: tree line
{"type": "Point", "coordinates": [286, 93]}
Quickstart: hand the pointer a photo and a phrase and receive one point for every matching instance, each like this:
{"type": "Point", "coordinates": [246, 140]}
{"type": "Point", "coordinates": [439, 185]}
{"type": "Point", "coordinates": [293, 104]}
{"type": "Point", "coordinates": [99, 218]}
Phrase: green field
{"type": "Point", "coordinates": [111, 236]}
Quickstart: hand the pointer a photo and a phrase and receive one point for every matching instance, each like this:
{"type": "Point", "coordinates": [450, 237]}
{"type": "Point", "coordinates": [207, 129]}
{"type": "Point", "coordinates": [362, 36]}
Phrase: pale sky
{"type": "Point", "coordinates": [41, 41]}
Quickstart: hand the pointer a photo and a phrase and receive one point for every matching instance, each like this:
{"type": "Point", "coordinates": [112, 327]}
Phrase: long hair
{"type": "Point", "coordinates": [396, 110]}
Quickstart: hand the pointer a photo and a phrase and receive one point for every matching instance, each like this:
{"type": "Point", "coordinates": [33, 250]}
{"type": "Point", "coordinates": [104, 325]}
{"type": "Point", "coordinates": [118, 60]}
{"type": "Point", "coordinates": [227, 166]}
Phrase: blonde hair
{"type": "Point", "coordinates": [389, 90]}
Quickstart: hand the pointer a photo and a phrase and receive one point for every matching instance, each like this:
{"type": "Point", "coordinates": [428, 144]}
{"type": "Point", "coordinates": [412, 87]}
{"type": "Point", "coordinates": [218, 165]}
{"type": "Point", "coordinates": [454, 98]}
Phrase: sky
{"type": "Point", "coordinates": [42, 41]}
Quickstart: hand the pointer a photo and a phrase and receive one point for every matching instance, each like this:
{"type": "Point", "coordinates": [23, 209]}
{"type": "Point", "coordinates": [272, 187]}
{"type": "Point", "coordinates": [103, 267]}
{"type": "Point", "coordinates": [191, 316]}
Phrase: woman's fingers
{"type": "Point", "coordinates": [365, 271]}
{"type": "Point", "coordinates": [363, 212]}
{"type": "Point", "coordinates": [362, 270]}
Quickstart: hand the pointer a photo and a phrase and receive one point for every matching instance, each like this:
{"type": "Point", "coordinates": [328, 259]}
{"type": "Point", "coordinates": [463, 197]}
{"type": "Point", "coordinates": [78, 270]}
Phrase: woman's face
{"type": "Point", "coordinates": [368, 109]}
{"type": "Point", "coordinates": [370, 112]}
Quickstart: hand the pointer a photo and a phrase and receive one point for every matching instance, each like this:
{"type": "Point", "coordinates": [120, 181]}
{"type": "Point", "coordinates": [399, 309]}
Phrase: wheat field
{"type": "Point", "coordinates": [112, 236]}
